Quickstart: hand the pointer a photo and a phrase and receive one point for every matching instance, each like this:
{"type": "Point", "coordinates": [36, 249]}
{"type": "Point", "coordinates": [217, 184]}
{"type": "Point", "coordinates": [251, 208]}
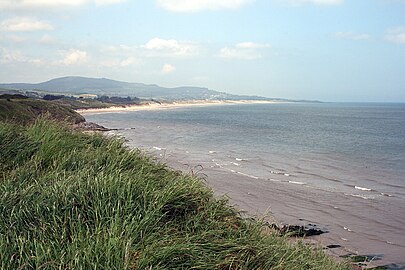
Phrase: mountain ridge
{"type": "Point", "coordinates": [104, 86]}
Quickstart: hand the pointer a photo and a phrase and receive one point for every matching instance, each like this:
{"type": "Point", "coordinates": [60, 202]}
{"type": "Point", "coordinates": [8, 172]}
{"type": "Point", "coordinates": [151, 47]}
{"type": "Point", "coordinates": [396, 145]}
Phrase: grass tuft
{"type": "Point", "coordinates": [70, 200]}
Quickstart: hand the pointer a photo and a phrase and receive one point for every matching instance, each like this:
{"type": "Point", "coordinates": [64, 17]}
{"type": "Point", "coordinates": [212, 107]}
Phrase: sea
{"type": "Point", "coordinates": [339, 166]}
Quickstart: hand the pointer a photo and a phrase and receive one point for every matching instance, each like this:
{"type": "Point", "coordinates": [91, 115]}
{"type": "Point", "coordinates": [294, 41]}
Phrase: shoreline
{"type": "Point", "coordinates": [255, 202]}
{"type": "Point", "coordinates": [254, 196]}
{"type": "Point", "coordinates": [175, 105]}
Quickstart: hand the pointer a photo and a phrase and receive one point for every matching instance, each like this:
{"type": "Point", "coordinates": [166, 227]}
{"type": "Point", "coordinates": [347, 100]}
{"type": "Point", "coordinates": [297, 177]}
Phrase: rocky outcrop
{"type": "Point", "coordinates": [298, 230]}
{"type": "Point", "coordinates": [90, 126]}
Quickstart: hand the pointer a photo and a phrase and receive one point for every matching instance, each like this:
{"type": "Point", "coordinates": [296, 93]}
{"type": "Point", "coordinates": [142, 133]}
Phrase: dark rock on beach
{"type": "Point", "coordinates": [366, 261]}
{"type": "Point", "coordinates": [298, 230]}
{"type": "Point", "coordinates": [90, 126]}
{"type": "Point", "coordinates": [333, 246]}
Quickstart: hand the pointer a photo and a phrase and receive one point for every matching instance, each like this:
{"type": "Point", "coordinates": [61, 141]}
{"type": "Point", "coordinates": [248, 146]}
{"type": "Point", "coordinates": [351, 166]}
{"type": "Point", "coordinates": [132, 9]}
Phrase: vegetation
{"type": "Point", "coordinates": [89, 103]}
{"type": "Point", "coordinates": [20, 109]}
{"type": "Point", "coordinates": [70, 200]}
{"type": "Point", "coordinates": [74, 102]}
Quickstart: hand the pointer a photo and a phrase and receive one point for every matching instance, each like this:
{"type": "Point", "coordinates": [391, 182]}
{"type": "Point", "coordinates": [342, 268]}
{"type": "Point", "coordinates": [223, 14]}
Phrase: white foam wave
{"type": "Point", "coordinates": [274, 180]}
{"type": "Point", "coordinates": [362, 188]}
{"type": "Point", "coordinates": [282, 173]}
{"type": "Point", "coordinates": [296, 182]}
{"type": "Point", "coordinates": [212, 152]}
{"type": "Point", "coordinates": [240, 159]}
{"type": "Point", "coordinates": [347, 229]}
{"type": "Point", "coordinates": [357, 196]}
{"type": "Point", "coordinates": [387, 195]}
{"type": "Point", "coordinates": [158, 148]}
{"type": "Point", "coordinates": [236, 164]}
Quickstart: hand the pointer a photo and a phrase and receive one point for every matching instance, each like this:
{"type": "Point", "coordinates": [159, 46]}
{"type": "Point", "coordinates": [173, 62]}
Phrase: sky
{"type": "Point", "coordinates": [328, 50]}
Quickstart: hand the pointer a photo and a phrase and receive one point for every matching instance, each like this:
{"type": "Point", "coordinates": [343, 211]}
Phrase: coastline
{"type": "Point", "coordinates": [174, 105]}
{"type": "Point", "coordinates": [256, 197]}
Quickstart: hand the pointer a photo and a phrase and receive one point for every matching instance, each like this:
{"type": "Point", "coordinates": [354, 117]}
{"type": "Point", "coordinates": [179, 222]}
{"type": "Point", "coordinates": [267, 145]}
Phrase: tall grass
{"type": "Point", "coordinates": [74, 201]}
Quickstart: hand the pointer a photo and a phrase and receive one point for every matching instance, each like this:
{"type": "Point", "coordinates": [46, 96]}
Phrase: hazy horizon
{"type": "Point", "coordinates": [328, 50]}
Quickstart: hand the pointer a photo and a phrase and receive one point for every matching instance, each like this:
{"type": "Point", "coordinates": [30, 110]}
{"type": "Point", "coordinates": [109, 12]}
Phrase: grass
{"type": "Point", "coordinates": [83, 103]}
{"type": "Point", "coordinates": [25, 111]}
{"type": "Point", "coordinates": [70, 200]}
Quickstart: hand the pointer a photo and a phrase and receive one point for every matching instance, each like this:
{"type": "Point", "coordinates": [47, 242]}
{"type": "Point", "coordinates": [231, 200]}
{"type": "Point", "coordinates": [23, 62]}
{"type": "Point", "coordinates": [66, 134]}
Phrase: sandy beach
{"type": "Point", "coordinates": [174, 105]}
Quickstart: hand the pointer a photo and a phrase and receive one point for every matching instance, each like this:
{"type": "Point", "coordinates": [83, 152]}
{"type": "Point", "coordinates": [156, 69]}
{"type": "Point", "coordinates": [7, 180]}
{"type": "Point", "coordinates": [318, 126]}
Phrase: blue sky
{"type": "Point", "coordinates": [330, 50]}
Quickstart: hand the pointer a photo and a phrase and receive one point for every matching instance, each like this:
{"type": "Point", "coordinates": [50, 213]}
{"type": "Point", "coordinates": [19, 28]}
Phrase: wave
{"type": "Point", "coordinates": [358, 196]}
{"type": "Point", "coordinates": [347, 229]}
{"type": "Point", "coordinates": [297, 182]}
{"type": "Point", "coordinates": [274, 180]}
{"type": "Point", "coordinates": [158, 148]}
{"type": "Point", "coordinates": [362, 188]}
{"type": "Point", "coordinates": [282, 173]}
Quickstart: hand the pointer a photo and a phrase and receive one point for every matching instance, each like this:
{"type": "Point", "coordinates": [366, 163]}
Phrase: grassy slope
{"type": "Point", "coordinates": [27, 110]}
{"type": "Point", "coordinates": [83, 104]}
{"type": "Point", "coordinates": [77, 201]}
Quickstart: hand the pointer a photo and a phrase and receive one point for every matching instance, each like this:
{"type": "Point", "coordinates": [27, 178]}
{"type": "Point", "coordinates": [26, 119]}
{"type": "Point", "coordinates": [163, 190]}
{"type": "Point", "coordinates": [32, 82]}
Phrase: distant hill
{"type": "Point", "coordinates": [102, 86]}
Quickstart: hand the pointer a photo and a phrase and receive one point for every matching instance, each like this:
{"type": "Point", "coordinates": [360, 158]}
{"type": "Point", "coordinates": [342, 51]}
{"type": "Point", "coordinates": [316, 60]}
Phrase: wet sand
{"type": "Point", "coordinates": [287, 203]}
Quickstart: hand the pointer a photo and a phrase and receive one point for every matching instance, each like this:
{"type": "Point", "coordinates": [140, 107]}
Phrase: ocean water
{"type": "Point", "coordinates": [338, 165]}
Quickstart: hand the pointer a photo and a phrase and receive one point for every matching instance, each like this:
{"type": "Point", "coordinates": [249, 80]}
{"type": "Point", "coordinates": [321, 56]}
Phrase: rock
{"type": "Point", "coordinates": [363, 258]}
{"type": "Point", "coordinates": [90, 126]}
{"type": "Point", "coordinates": [298, 230]}
{"type": "Point", "coordinates": [333, 246]}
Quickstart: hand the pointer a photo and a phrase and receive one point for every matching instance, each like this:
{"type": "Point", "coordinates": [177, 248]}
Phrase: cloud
{"type": "Point", "coordinates": [73, 56]}
{"type": "Point", "coordinates": [252, 45]}
{"type": "Point", "coordinates": [13, 38]}
{"type": "Point", "coordinates": [352, 36]}
{"type": "Point", "coordinates": [119, 63]}
{"type": "Point", "coordinates": [170, 47]}
{"type": "Point", "coordinates": [24, 24]}
{"type": "Point", "coordinates": [46, 4]}
{"type": "Point", "coordinates": [47, 40]}
{"type": "Point", "coordinates": [108, 2]}
{"type": "Point", "coordinates": [15, 56]}
{"type": "Point", "coordinates": [243, 51]}
{"type": "Point", "coordinates": [315, 2]}
{"type": "Point", "coordinates": [200, 5]}
{"type": "Point", "coordinates": [167, 68]}
{"type": "Point", "coordinates": [395, 35]}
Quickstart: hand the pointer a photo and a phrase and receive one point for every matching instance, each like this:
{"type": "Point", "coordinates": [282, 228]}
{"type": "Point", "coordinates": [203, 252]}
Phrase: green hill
{"type": "Point", "coordinates": [103, 86]}
{"type": "Point", "coordinates": [70, 200]}
{"type": "Point", "coordinates": [16, 108]}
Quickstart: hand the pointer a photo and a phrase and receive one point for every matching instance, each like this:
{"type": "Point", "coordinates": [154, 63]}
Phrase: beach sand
{"type": "Point", "coordinates": [286, 203]}
{"type": "Point", "coordinates": [174, 105]}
